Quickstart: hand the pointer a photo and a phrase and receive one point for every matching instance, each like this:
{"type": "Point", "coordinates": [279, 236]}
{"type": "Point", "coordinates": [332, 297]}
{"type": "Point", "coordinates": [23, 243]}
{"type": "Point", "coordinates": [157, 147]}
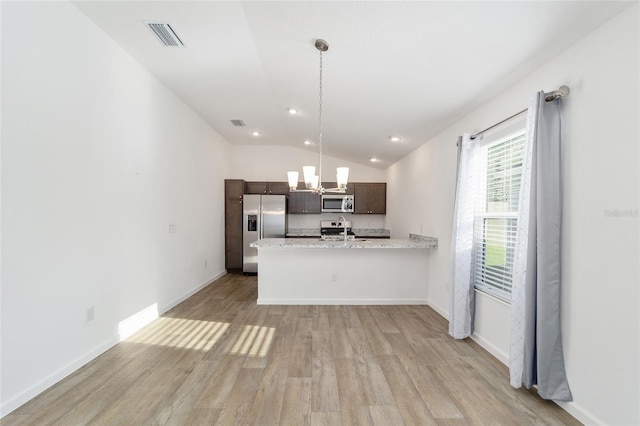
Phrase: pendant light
{"type": "Point", "coordinates": [313, 182]}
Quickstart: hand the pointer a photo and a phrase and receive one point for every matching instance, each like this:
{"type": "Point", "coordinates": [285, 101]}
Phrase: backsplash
{"type": "Point", "coordinates": [371, 221]}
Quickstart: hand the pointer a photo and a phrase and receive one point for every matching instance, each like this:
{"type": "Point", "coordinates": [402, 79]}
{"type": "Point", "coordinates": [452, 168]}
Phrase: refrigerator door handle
{"type": "Point", "coordinates": [261, 228]}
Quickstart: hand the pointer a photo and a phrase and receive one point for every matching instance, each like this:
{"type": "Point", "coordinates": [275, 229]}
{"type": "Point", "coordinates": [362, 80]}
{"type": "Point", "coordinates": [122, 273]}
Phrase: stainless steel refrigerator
{"type": "Point", "coordinates": [264, 216]}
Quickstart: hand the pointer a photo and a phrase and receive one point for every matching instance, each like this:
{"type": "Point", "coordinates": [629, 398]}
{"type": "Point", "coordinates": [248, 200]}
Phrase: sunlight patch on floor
{"type": "Point", "coordinates": [254, 341]}
{"type": "Point", "coordinates": [137, 321]}
{"type": "Point", "coordinates": [181, 333]}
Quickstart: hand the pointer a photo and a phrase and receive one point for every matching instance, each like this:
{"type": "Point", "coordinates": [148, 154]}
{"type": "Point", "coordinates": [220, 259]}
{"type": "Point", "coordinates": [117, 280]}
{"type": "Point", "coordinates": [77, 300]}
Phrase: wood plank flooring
{"type": "Point", "coordinates": [218, 358]}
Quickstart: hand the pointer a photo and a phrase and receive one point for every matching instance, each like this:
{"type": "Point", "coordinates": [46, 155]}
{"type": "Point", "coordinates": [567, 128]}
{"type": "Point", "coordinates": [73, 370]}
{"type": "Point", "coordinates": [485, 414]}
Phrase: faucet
{"type": "Point", "coordinates": [344, 223]}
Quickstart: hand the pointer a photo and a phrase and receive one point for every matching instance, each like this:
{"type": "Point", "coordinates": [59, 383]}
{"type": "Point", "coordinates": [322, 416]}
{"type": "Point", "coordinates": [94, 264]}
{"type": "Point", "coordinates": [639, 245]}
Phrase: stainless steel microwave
{"type": "Point", "coordinates": [337, 203]}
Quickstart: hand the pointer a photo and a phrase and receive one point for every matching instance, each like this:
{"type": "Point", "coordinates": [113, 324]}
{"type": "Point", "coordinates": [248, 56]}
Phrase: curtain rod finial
{"type": "Point", "coordinates": [561, 92]}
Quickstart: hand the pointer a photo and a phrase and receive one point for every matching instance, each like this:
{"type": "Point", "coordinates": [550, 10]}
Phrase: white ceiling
{"type": "Point", "coordinates": [393, 68]}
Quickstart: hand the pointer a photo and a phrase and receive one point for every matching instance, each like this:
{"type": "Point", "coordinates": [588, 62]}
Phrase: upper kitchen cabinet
{"type": "Point", "coordinates": [233, 194]}
{"type": "Point", "coordinates": [233, 188]}
{"type": "Point", "coordinates": [273, 188]}
{"type": "Point", "coordinates": [370, 198]}
{"type": "Point", "coordinates": [304, 202]}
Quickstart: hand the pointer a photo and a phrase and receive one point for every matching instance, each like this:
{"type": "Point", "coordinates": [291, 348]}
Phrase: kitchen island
{"type": "Point", "coordinates": [305, 271]}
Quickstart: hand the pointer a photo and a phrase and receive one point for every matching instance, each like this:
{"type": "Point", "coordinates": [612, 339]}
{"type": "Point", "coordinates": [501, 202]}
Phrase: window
{"type": "Point", "coordinates": [495, 221]}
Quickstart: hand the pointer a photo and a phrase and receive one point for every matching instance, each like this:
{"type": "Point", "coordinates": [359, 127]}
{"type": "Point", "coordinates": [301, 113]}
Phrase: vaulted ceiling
{"type": "Point", "coordinates": [406, 69]}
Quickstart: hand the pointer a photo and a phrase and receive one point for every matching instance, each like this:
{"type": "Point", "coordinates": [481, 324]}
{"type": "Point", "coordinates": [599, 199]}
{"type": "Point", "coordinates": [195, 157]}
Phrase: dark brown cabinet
{"type": "Point", "coordinates": [304, 202]}
{"type": "Point", "coordinates": [233, 193]}
{"type": "Point", "coordinates": [370, 198]}
{"type": "Point", "coordinates": [274, 188]}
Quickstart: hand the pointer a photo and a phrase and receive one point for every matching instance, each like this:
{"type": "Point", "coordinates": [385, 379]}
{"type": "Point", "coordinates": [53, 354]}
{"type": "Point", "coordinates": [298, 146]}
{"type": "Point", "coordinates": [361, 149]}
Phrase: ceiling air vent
{"type": "Point", "coordinates": [165, 33]}
{"type": "Point", "coordinates": [237, 123]}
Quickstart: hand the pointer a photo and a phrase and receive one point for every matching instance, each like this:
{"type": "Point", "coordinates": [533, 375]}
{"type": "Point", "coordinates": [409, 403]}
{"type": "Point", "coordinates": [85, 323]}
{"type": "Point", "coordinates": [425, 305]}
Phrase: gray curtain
{"type": "Point", "coordinates": [543, 358]}
{"type": "Point", "coordinates": [461, 294]}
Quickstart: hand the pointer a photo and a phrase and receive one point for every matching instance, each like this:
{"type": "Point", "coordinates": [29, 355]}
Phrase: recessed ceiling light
{"type": "Point", "coordinates": [255, 133]}
{"type": "Point", "coordinates": [395, 138]}
{"type": "Point", "coordinates": [293, 111]}
{"type": "Point", "coordinates": [308, 142]}
{"type": "Point", "coordinates": [374, 160]}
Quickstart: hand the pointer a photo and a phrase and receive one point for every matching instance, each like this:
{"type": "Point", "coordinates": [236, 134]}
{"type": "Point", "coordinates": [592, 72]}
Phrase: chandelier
{"type": "Point", "coordinates": [313, 182]}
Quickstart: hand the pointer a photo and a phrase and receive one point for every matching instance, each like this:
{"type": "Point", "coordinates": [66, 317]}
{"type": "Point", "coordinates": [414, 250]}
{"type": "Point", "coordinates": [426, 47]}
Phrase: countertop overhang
{"type": "Point", "coordinates": [413, 242]}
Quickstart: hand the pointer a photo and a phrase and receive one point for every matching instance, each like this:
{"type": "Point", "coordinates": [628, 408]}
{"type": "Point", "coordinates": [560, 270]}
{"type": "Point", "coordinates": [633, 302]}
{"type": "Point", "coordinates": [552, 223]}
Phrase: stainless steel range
{"type": "Point", "coordinates": [334, 229]}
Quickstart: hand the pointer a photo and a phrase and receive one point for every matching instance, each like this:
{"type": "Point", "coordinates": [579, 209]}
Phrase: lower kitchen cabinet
{"type": "Point", "coordinates": [370, 198]}
{"type": "Point", "coordinates": [233, 192]}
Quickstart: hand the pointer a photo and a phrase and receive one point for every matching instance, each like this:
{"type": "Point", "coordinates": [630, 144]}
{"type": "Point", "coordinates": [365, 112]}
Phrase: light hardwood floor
{"type": "Point", "coordinates": [218, 358]}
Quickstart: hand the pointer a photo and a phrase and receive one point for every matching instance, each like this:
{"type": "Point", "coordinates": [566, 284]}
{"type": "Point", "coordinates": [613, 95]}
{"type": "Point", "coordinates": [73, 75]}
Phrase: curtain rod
{"type": "Point", "coordinates": [561, 92]}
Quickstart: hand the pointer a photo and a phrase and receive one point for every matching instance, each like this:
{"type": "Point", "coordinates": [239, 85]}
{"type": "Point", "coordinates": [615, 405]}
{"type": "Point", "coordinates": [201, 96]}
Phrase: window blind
{"type": "Point", "coordinates": [496, 215]}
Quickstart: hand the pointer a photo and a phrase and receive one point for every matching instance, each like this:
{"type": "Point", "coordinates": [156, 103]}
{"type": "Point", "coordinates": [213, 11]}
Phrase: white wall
{"type": "Point", "coordinates": [342, 276]}
{"type": "Point", "coordinates": [600, 250]}
{"type": "Point", "coordinates": [98, 160]}
{"type": "Point", "coordinates": [271, 163]}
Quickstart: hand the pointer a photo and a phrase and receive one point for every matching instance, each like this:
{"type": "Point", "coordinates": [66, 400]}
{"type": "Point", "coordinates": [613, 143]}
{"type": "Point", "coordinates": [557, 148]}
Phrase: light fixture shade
{"type": "Point", "coordinates": [293, 180]}
{"type": "Point", "coordinates": [308, 172]}
{"type": "Point", "coordinates": [342, 176]}
{"type": "Point", "coordinates": [315, 181]}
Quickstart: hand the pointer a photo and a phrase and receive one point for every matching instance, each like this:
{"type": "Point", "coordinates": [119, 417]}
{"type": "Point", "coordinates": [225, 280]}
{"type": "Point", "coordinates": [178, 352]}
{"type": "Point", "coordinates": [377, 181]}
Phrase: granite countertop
{"type": "Point", "coordinates": [414, 242]}
{"type": "Point", "coordinates": [303, 232]}
{"type": "Point", "coordinates": [368, 232]}
{"type": "Point", "coordinates": [360, 232]}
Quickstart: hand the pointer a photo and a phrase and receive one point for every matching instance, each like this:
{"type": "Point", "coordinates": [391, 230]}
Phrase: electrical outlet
{"type": "Point", "coordinates": [90, 314]}
{"type": "Point", "coordinates": [334, 277]}
{"type": "Point", "coordinates": [172, 228]}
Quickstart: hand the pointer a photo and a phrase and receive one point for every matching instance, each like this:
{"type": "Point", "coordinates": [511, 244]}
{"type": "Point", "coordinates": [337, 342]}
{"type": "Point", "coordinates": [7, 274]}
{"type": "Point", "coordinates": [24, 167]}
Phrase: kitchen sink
{"type": "Point", "coordinates": [337, 238]}
{"type": "Point", "coordinates": [350, 238]}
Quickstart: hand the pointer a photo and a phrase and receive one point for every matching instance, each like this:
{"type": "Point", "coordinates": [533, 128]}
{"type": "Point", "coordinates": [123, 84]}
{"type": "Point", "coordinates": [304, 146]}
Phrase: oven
{"type": "Point", "coordinates": [334, 229]}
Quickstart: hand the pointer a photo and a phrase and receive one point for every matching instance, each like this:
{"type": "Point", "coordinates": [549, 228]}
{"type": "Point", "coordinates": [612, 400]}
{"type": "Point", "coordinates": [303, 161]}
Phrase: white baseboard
{"type": "Point", "coordinates": [491, 348]}
{"type": "Point", "coordinates": [487, 345]}
{"type": "Point", "coordinates": [443, 312]}
{"type": "Point", "coordinates": [53, 378]}
{"type": "Point", "coordinates": [34, 390]}
{"type": "Point", "coordinates": [16, 401]}
{"type": "Point", "coordinates": [174, 303]}
{"type": "Point", "coordinates": [266, 301]}
{"type": "Point", "coordinates": [577, 411]}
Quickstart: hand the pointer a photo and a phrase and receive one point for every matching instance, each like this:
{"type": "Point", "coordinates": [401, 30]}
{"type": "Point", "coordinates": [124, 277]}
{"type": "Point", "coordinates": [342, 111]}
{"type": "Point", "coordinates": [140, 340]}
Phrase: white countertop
{"type": "Point", "coordinates": [416, 242]}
